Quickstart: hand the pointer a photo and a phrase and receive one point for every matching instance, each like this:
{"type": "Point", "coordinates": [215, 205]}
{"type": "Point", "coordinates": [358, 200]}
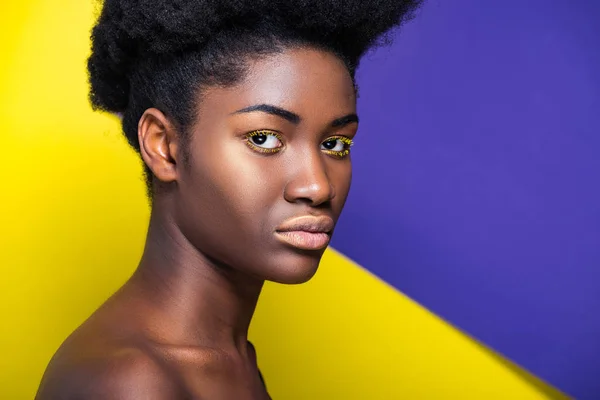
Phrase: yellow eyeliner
{"type": "Point", "coordinates": [340, 154]}
{"type": "Point", "coordinates": [343, 139]}
{"type": "Point", "coordinates": [262, 149]}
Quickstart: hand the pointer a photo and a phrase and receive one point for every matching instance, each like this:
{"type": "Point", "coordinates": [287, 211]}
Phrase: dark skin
{"type": "Point", "coordinates": [178, 328]}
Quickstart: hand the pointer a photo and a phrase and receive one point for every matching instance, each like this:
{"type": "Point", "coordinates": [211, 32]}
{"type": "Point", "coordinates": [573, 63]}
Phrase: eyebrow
{"type": "Point", "coordinates": [345, 120]}
{"type": "Point", "coordinates": [273, 110]}
{"type": "Point", "coordinates": [293, 117]}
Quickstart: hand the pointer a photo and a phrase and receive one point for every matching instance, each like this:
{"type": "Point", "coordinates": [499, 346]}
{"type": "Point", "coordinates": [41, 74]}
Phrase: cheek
{"type": "Point", "coordinates": [230, 194]}
{"type": "Point", "coordinates": [239, 185]}
{"type": "Point", "coordinates": [256, 184]}
{"type": "Point", "coordinates": [225, 171]}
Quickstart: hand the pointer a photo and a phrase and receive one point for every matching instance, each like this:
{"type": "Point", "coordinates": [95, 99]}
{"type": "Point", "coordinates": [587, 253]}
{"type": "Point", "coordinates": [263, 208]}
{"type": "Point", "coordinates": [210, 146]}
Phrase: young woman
{"type": "Point", "coordinates": [243, 113]}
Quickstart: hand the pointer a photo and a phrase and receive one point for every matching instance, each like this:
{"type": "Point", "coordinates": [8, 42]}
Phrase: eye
{"type": "Point", "coordinates": [264, 141]}
{"type": "Point", "coordinates": [338, 146]}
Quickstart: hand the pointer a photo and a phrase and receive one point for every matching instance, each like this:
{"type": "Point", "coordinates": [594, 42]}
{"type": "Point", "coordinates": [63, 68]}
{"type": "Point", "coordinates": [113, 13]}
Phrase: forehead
{"type": "Point", "coordinates": [308, 82]}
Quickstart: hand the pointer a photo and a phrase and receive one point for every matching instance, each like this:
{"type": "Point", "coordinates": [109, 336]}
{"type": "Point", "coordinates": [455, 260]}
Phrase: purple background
{"type": "Point", "coordinates": [476, 177]}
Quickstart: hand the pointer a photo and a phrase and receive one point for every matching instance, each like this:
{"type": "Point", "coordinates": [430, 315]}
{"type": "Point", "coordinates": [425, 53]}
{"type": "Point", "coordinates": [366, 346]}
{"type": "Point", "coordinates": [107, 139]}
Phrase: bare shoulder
{"type": "Point", "coordinates": [121, 373]}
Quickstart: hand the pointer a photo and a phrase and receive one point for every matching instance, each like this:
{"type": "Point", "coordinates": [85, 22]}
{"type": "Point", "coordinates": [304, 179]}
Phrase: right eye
{"type": "Point", "coordinates": [264, 141]}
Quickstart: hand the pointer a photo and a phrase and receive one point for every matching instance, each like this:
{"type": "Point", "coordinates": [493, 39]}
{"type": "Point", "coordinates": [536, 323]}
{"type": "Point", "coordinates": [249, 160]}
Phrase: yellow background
{"type": "Point", "coordinates": [72, 222]}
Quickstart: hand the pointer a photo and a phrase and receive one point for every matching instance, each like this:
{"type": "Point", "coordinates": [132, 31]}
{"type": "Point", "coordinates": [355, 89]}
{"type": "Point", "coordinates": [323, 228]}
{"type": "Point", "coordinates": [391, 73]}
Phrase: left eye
{"type": "Point", "coordinates": [336, 144]}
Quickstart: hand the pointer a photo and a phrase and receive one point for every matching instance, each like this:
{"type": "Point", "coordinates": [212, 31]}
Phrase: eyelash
{"type": "Point", "coordinates": [339, 154]}
{"type": "Point", "coordinates": [347, 144]}
{"type": "Point", "coordinates": [262, 149]}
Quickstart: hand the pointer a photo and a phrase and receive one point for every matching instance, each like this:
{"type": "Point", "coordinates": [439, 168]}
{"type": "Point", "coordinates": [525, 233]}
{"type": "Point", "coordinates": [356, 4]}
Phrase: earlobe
{"type": "Point", "coordinates": [158, 144]}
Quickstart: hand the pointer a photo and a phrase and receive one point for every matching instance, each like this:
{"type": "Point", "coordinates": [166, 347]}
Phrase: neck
{"type": "Point", "coordinates": [193, 301]}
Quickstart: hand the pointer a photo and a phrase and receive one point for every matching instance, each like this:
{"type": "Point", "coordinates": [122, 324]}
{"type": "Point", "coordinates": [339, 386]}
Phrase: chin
{"type": "Point", "coordinates": [295, 268]}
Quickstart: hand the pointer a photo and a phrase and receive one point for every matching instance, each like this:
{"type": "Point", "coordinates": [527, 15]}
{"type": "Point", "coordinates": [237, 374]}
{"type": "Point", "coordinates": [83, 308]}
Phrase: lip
{"type": "Point", "coordinates": [307, 232]}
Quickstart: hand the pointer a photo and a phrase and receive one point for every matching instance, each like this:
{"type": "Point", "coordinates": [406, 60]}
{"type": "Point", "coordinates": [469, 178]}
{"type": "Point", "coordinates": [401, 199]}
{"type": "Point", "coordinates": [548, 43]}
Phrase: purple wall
{"type": "Point", "coordinates": [477, 172]}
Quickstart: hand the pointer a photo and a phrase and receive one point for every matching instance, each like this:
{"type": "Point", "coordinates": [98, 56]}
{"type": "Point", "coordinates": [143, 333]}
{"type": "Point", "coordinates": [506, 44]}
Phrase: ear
{"type": "Point", "coordinates": [159, 143]}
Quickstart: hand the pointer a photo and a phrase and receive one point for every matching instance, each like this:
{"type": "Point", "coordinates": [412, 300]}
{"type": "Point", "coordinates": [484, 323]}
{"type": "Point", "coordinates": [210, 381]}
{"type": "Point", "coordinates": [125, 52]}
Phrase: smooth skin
{"type": "Point", "coordinates": [178, 328]}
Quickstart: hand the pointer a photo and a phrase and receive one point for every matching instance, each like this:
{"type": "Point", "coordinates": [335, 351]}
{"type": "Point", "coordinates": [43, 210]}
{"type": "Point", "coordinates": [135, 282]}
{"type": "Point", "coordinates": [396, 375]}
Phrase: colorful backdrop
{"type": "Point", "coordinates": [465, 265]}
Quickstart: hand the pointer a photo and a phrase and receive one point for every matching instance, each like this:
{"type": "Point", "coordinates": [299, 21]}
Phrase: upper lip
{"type": "Point", "coordinates": [308, 223]}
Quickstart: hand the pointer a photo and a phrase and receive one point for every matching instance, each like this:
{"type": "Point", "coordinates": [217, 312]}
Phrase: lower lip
{"type": "Point", "coordinates": [304, 240]}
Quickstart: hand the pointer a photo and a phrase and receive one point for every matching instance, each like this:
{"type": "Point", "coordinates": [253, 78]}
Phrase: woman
{"type": "Point", "coordinates": [243, 113]}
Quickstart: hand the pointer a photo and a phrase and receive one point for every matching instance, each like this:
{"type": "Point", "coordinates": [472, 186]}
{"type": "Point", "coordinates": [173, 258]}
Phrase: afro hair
{"type": "Point", "coordinates": [159, 53]}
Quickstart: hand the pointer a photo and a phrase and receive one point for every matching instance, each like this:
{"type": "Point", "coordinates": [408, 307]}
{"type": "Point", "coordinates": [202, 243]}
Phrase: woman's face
{"type": "Point", "coordinates": [268, 174]}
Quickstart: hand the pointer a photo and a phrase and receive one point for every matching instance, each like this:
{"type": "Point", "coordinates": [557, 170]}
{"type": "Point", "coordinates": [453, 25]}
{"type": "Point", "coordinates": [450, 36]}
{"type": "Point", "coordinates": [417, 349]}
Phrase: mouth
{"type": "Point", "coordinates": [306, 233]}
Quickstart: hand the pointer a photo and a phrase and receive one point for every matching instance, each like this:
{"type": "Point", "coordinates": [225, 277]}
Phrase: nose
{"type": "Point", "coordinates": [310, 182]}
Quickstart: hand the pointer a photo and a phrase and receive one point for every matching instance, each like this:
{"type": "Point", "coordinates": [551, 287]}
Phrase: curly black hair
{"type": "Point", "coordinates": [161, 53]}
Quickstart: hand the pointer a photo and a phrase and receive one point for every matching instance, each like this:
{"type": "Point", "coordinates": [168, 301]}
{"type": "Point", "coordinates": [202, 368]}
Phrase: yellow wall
{"type": "Point", "coordinates": [72, 223]}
